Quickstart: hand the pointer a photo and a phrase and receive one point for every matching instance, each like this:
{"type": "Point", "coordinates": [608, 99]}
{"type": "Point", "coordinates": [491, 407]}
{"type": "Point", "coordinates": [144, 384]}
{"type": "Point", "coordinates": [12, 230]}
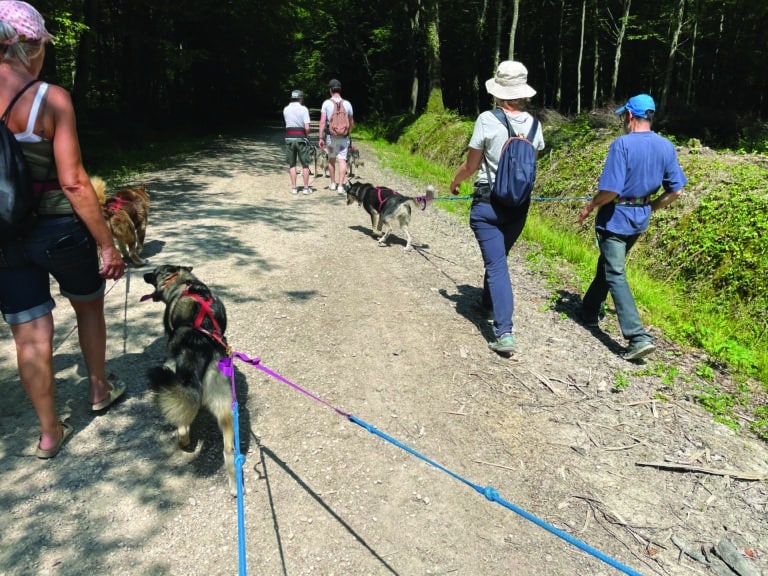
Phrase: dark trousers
{"type": "Point", "coordinates": [497, 229]}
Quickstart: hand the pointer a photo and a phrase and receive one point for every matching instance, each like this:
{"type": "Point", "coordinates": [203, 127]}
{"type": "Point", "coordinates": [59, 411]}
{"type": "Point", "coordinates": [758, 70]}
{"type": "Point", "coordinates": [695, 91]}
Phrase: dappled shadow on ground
{"type": "Point", "coordinates": [126, 461]}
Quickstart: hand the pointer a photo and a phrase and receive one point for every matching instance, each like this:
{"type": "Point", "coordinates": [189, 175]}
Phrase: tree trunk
{"type": "Point", "coordinates": [596, 63]}
{"type": "Point", "coordinates": [619, 42]}
{"type": "Point", "coordinates": [673, 45]}
{"type": "Point", "coordinates": [559, 77]}
{"type": "Point", "coordinates": [416, 35]}
{"type": "Point", "coordinates": [513, 29]}
{"type": "Point", "coordinates": [692, 64]}
{"type": "Point", "coordinates": [86, 49]}
{"type": "Point", "coordinates": [581, 56]}
{"type": "Point", "coordinates": [435, 102]}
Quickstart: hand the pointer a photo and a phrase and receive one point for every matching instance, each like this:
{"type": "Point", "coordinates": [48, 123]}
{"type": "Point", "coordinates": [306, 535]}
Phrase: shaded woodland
{"type": "Point", "coordinates": [136, 64]}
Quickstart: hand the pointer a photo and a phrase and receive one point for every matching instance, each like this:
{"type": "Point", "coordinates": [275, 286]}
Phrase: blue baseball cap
{"type": "Point", "coordinates": [638, 106]}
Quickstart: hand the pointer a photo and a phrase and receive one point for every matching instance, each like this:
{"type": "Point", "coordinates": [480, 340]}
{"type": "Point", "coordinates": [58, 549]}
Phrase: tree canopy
{"type": "Point", "coordinates": [150, 61]}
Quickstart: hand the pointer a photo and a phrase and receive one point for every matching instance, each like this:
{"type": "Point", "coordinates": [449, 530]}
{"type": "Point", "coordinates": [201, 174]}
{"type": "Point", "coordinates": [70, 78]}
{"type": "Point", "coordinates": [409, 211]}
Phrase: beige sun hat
{"type": "Point", "coordinates": [510, 82]}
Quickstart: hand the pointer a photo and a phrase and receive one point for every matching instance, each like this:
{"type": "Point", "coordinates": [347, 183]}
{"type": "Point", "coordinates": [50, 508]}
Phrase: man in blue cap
{"type": "Point", "coordinates": [639, 163]}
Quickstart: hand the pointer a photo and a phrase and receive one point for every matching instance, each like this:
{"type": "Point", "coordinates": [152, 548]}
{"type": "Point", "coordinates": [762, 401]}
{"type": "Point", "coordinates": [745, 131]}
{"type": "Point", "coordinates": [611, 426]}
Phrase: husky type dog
{"type": "Point", "coordinates": [194, 321]}
{"type": "Point", "coordinates": [126, 213]}
{"type": "Point", "coordinates": [386, 207]}
{"type": "Point", "coordinates": [353, 161]}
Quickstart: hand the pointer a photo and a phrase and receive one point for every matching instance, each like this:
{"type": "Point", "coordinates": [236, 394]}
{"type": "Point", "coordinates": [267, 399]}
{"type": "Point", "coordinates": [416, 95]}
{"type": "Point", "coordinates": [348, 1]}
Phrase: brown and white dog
{"type": "Point", "coordinates": [127, 214]}
{"type": "Point", "coordinates": [386, 207]}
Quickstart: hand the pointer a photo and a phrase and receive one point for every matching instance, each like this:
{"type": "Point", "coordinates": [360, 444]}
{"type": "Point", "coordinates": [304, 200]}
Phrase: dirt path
{"type": "Point", "coordinates": [392, 338]}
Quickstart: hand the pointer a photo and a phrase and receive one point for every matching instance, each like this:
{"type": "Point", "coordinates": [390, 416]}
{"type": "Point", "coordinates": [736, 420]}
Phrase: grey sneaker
{"type": "Point", "coordinates": [638, 350]}
{"type": "Point", "coordinates": [504, 343]}
{"type": "Point", "coordinates": [333, 186]}
{"type": "Point", "coordinates": [294, 191]}
{"type": "Point", "coordinates": [307, 190]}
{"type": "Point", "coordinates": [341, 189]}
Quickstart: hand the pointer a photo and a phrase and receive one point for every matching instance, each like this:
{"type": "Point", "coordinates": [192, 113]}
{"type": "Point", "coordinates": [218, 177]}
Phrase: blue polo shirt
{"type": "Point", "coordinates": [638, 164]}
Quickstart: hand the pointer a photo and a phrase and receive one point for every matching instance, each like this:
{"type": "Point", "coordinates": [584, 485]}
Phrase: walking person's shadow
{"type": "Point", "coordinates": [468, 301]}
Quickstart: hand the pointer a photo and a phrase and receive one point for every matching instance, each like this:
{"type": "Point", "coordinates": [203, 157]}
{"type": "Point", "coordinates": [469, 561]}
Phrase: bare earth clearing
{"type": "Point", "coordinates": [394, 339]}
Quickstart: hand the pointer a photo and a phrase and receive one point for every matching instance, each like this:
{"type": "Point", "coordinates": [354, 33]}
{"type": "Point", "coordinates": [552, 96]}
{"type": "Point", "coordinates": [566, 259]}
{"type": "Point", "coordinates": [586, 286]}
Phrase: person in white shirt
{"type": "Point", "coordinates": [336, 146]}
{"type": "Point", "coordinates": [297, 146]}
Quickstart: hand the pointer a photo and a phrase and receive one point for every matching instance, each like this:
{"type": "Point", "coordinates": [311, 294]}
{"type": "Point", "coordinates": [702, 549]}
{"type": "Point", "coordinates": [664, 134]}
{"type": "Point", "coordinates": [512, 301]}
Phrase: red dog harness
{"type": "Point", "coordinates": [382, 201]}
{"type": "Point", "coordinates": [116, 204]}
{"type": "Point", "coordinates": [204, 312]}
{"type": "Point", "coordinates": [422, 200]}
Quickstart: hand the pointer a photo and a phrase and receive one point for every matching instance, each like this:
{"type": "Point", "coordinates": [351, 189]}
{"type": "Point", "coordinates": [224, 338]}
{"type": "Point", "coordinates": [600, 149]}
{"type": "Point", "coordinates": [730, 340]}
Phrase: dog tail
{"type": "Point", "coordinates": [101, 188]}
{"type": "Point", "coordinates": [179, 403]}
{"type": "Point", "coordinates": [429, 195]}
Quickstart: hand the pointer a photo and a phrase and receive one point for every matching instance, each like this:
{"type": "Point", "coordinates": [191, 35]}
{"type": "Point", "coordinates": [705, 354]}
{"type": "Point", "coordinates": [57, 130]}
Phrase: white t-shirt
{"type": "Point", "coordinates": [296, 115]}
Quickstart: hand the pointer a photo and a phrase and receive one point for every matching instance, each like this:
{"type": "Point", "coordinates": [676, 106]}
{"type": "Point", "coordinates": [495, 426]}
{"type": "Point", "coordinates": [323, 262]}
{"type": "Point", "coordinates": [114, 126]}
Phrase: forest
{"type": "Point", "coordinates": [143, 65]}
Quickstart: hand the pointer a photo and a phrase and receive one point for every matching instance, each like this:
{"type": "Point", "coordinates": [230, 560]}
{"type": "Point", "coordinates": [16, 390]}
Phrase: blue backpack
{"type": "Point", "coordinates": [516, 173]}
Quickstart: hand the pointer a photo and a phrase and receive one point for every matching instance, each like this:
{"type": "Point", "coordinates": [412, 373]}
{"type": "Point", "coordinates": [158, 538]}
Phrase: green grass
{"type": "Point", "coordinates": [665, 300]}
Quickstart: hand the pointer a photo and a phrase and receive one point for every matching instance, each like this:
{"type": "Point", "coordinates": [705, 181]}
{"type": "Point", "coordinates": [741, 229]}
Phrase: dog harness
{"type": "Point", "coordinates": [419, 199]}
{"type": "Point", "coordinates": [116, 204]}
{"type": "Point", "coordinates": [204, 312]}
{"type": "Point", "coordinates": [383, 201]}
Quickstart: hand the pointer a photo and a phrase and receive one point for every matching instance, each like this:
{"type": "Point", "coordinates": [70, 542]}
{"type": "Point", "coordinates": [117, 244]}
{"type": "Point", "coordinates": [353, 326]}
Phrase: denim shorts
{"type": "Point", "coordinates": [59, 246]}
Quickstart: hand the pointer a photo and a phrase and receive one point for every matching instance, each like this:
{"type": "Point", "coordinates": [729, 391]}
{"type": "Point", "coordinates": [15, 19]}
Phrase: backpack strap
{"type": "Point", "coordinates": [15, 99]}
{"type": "Point", "coordinates": [532, 131]}
{"type": "Point", "coordinates": [501, 117]}
{"type": "Point", "coordinates": [499, 113]}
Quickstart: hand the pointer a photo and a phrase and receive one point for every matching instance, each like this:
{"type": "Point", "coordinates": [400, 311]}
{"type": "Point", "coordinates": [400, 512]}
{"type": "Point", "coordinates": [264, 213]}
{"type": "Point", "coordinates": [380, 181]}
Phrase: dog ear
{"type": "Point", "coordinates": [187, 268]}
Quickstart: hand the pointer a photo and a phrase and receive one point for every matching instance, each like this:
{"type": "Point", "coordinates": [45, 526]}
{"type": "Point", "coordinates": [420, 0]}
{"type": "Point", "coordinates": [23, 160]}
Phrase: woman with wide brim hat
{"type": "Point", "coordinates": [497, 227]}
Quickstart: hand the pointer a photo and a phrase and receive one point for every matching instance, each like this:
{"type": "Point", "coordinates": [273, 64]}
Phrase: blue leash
{"type": "Point", "coordinates": [227, 369]}
{"type": "Point", "coordinates": [534, 198]}
{"type": "Point", "coordinates": [489, 492]}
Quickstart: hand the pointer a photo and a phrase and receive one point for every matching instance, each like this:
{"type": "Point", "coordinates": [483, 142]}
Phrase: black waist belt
{"type": "Point", "coordinates": [295, 132]}
{"type": "Point", "coordinates": [482, 193]}
{"type": "Point", "coordinates": [632, 201]}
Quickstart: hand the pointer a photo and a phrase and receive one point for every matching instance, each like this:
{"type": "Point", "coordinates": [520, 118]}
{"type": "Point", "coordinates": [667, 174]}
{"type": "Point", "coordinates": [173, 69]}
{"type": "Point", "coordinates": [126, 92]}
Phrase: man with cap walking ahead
{"type": "Point", "coordinates": [297, 147]}
{"type": "Point", "coordinates": [638, 164]}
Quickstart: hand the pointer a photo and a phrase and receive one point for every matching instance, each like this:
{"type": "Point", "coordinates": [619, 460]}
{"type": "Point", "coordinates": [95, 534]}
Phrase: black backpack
{"type": "Point", "coordinates": [18, 203]}
{"type": "Point", "coordinates": [516, 173]}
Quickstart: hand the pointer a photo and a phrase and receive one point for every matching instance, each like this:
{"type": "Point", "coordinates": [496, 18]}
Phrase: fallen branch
{"type": "Point", "coordinates": [703, 469]}
{"type": "Point", "coordinates": [731, 556]}
{"type": "Point", "coordinates": [496, 465]}
{"type": "Point", "coordinates": [545, 382]}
